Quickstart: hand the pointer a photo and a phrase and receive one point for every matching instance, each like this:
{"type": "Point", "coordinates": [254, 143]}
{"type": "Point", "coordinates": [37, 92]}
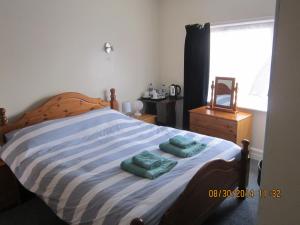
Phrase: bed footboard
{"type": "Point", "coordinates": [204, 192]}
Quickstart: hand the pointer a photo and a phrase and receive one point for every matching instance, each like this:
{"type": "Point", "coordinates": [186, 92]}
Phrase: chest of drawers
{"type": "Point", "coordinates": [230, 126]}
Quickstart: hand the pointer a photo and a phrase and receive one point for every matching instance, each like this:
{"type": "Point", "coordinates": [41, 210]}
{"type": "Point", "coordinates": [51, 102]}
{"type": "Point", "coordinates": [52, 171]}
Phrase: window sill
{"type": "Point", "coordinates": [253, 103]}
{"type": "Point", "coordinates": [253, 108]}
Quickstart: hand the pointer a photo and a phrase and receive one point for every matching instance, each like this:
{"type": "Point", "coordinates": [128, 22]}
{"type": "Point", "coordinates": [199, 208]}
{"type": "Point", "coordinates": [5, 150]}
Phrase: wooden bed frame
{"type": "Point", "coordinates": [194, 205]}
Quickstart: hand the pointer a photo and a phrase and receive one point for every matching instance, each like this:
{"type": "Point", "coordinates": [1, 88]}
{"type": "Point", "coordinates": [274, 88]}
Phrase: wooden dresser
{"type": "Point", "coordinates": [229, 126]}
{"type": "Point", "coordinates": [9, 190]}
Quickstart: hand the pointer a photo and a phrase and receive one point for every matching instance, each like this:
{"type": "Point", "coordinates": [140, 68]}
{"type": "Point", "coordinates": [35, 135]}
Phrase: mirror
{"type": "Point", "coordinates": [224, 88]}
{"type": "Point", "coordinates": [224, 94]}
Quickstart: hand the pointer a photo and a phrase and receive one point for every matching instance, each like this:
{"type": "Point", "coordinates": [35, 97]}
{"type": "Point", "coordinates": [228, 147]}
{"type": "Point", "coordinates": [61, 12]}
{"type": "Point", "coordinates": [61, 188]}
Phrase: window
{"type": "Point", "coordinates": [244, 51]}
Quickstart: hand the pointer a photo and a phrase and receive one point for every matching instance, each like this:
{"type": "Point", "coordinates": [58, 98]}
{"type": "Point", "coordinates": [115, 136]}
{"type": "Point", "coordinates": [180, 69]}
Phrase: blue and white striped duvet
{"type": "Point", "coordinates": [73, 165]}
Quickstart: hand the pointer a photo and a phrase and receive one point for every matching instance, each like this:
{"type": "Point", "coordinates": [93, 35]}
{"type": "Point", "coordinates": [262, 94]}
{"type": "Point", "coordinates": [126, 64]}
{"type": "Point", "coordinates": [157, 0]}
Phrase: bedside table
{"type": "Point", "coordinates": [148, 118]}
{"type": "Point", "coordinates": [9, 188]}
{"type": "Point", "coordinates": [230, 126]}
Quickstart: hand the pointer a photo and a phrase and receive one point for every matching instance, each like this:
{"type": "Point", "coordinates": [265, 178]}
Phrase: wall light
{"type": "Point", "coordinates": [108, 48]}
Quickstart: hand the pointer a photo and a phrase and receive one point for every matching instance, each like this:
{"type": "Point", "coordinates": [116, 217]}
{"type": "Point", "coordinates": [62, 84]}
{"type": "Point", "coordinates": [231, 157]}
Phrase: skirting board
{"type": "Point", "coordinates": [256, 153]}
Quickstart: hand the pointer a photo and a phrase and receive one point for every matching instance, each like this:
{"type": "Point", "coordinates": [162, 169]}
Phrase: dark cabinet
{"type": "Point", "coordinates": [168, 111]}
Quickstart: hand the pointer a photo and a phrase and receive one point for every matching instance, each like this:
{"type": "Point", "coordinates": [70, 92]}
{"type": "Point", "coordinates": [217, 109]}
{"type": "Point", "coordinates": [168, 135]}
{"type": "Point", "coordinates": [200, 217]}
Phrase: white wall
{"type": "Point", "coordinates": [282, 152]}
{"type": "Point", "coordinates": [48, 47]}
{"type": "Point", "coordinates": [258, 133]}
{"type": "Point", "coordinates": [175, 14]}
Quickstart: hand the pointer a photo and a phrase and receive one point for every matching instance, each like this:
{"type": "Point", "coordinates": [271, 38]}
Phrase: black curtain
{"type": "Point", "coordinates": [196, 68]}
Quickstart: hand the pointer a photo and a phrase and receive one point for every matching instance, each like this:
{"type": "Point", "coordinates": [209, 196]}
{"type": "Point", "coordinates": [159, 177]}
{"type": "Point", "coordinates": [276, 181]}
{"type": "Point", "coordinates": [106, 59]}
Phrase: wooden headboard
{"type": "Point", "coordinates": [60, 106]}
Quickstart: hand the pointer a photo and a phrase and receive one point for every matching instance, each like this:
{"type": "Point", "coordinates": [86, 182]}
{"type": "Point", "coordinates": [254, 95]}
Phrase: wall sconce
{"type": "Point", "coordinates": [108, 48]}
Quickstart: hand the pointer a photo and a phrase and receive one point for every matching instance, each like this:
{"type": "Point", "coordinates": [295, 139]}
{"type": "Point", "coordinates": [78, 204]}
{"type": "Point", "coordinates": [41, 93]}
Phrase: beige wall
{"type": "Point", "coordinates": [258, 133]}
{"type": "Point", "coordinates": [281, 157]}
{"type": "Point", "coordinates": [48, 47]}
{"type": "Point", "coordinates": [175, 14]}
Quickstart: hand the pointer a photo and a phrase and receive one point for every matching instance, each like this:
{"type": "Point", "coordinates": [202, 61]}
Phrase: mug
{"type": "Point", "coordinates": [154, 94]}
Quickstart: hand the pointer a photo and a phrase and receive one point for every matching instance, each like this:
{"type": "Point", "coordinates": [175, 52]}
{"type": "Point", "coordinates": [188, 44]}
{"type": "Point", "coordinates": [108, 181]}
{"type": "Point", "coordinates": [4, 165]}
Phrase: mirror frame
{"type": "Point", "coordinates": [233, 98]}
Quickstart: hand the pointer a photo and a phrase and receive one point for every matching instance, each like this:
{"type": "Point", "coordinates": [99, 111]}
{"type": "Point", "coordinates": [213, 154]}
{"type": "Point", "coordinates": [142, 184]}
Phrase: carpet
{"type": "Point", "coordinates": [235, 212]}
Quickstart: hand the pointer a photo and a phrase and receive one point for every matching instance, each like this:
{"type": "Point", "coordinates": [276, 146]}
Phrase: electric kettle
{"type": "Point", "coordinates": [175, 90]}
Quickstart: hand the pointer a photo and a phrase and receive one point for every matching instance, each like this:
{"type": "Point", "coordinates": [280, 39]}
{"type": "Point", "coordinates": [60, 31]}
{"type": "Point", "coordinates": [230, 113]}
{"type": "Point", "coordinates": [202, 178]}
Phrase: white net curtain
{"type": "Point", "coordinates": [244, 51]}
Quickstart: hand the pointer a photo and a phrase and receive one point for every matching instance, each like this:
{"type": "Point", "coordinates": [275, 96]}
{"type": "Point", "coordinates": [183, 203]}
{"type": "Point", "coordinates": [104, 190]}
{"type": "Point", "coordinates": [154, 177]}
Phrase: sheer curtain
{"type": "Point", "coordinates": [244, 51]}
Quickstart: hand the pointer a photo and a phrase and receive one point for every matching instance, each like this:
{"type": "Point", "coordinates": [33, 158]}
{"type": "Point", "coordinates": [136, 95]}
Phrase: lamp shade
{"type": "Point", "coordinates": [138, 106]}
{"type": "Point", "coordinates": [126, 107]}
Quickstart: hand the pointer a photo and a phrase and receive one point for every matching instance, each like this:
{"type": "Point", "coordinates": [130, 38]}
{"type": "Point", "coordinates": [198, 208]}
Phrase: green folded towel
{"type": "Point", "coordinates": [166, 166]}
{"type": "Point", "coordinates": [147, 160]}
{"type": "Point", "coordinates": [182, 141]}
{"type": "Point", "coordinates": [182, 152]}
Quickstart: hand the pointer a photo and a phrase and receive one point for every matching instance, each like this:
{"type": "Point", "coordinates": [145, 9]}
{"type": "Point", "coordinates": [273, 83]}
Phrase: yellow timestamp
{"type": "Point", "coordinates": [273, 193]}
{"type": "Point", "coordinates": [223, 193]}
{"type": "Point", "coordinates": [244, 193]}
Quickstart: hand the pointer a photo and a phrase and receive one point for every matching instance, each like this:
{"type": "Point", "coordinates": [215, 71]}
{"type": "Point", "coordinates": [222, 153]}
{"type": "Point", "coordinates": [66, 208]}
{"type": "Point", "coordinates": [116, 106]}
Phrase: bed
{"type": "Point", "coordinates": [68, 153]}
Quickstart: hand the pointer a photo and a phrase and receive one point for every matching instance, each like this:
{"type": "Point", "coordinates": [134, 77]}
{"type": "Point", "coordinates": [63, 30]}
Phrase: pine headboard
{"type": "Point", "coordinates": [59, 106]}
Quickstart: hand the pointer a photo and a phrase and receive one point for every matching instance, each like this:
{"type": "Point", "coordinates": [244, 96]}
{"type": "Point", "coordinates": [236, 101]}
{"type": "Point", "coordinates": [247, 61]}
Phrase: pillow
{"type": "Point", "coordinates": [10, 135]}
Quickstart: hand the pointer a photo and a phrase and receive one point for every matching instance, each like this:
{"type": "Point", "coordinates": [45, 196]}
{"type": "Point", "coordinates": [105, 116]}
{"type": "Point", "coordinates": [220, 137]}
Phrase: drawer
{"type": "Point", "coordinates": [212, 132]}
{"type": "Point", "coordinates": [213, 123]}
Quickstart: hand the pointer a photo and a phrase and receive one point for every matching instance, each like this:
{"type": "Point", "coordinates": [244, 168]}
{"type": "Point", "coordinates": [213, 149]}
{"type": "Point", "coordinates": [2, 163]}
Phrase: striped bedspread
{"type": "Point", "coordinates": [73, 165]}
